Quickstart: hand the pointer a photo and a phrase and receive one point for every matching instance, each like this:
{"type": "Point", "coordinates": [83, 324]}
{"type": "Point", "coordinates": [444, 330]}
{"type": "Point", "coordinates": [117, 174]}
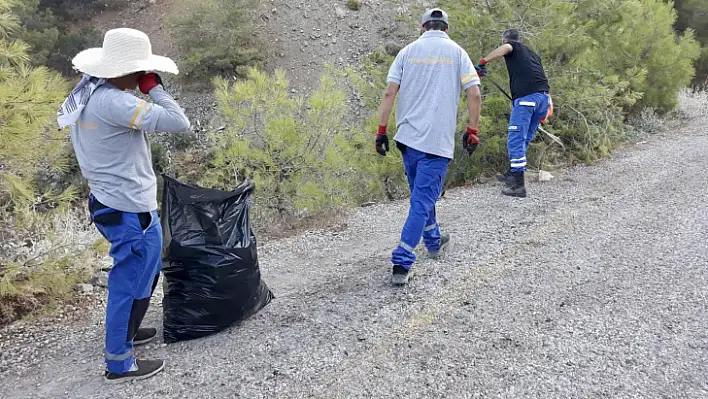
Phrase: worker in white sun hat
{"type": "Point", "coordinates": [108, 132]}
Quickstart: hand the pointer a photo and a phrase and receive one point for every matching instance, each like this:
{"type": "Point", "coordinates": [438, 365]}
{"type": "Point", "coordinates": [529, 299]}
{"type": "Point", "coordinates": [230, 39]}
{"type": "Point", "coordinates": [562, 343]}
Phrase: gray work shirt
{"type": "Point", "coordinates": [111, 144]}
{"type": "Point", "coordinates": [431, 72]}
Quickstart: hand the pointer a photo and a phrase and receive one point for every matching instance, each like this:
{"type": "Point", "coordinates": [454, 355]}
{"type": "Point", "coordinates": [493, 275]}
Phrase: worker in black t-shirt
{"type": "Point", "coordinates": [531, 104]}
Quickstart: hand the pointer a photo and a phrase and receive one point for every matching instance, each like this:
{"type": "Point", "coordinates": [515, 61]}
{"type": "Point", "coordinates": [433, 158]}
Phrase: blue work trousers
{"type": "Point", "coordinates": [526, 114]}
{"type": "Point", "coordinates": [426, 175]}
{"type": "Point", "coordinates": [136, 248]}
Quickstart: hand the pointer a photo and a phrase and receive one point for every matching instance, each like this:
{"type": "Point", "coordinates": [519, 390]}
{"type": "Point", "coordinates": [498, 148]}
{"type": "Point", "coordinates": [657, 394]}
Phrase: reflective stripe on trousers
{"type": "Point", "coordinates": [136, 254]}
{"type": "Point", "coordinates": [426, 175]}
{"type": "Point", "coordinates": [526, 114]}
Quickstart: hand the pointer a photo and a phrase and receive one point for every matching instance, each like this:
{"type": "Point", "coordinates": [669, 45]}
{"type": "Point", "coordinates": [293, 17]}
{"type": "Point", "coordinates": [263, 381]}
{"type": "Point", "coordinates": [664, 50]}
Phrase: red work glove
{"type": "Point", "coordinates": [148, 82]}
{"type": "Point", "coordinates": [470, 141]}
{"type": "Point", "coordinates": [481, 68]}
{"type": "Point", "coordinates": [382, 141]}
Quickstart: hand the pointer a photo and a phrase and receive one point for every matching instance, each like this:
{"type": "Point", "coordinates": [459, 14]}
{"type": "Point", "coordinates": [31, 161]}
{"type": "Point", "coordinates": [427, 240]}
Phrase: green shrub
{"type": "Point", "coordinates": [183, 141]}
{"type": "Point", "coordinates": [37, 265]}
{"type": "Point", "coordinates": [29, 97]}
{"type": "Point", "coordinates": [216, 37]}
{"type": "Point", "coordinates": [69, 177]}
{"type": "Point", "coordinates": [354, 5]}
{"type": "Point", "coordinates": [693, 14]}
{"type": "Point", "coordinates": [49, 27]}
{"type": "Point", "coordinates": [160, 157]}
{"type": "Point", "coordinates": [302, 155]}
{"type": "Point", "coordinates": [390, 182]}
{"type": "Point", "coordinates": [606, 60]}
{"type": "Point", "coordinates": [622, 44]}
{"type": "Point", "coordinates": [72, 10]}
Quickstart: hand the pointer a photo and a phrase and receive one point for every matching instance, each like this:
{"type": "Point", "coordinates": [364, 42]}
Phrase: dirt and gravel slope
{"type": "Point", "coordinates": [594, 287]}
{"type": "Point", "coordinates": [302, 37]}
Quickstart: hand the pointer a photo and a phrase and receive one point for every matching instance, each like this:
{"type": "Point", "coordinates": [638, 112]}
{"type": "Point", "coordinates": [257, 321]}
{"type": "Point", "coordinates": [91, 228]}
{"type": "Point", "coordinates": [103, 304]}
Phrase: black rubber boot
{"type": "Point", "coordinates": [506, 178]}
{"type": "Point", "coordinates": [517, 188]}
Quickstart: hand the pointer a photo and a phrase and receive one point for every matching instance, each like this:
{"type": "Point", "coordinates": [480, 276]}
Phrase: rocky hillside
{"type": "Point", "coordinates": [303, 37]}
{"type": "Point", "coordinates": [307, 35]}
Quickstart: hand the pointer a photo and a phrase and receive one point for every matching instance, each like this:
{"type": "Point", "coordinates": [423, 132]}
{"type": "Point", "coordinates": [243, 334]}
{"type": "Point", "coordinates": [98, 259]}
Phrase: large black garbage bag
{"type": "Point", "coordinates": [210, 262]}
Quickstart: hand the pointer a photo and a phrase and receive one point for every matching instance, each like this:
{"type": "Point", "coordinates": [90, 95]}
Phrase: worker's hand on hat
{"type": "Point", "coordinates": [470, 141]}
{"type": "Point", "coordinates": [382, 141]}
{"type": "Point", "coordinates": [148, 82]}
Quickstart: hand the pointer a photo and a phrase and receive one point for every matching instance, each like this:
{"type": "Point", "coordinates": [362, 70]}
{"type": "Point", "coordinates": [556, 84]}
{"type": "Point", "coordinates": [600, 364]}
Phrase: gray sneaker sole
{"type": "Point", "coordinates": [122, 380]}
{"type": "Point", "coordinates": [400, 279]}
{"type": "Point", "coordinates": [439, 252]}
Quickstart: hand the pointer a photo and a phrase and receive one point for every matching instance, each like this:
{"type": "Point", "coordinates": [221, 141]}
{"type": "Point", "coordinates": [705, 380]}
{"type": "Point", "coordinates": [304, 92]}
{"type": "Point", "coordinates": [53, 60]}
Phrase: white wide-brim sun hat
{"type": "Point", "coordinates": [125, 51]}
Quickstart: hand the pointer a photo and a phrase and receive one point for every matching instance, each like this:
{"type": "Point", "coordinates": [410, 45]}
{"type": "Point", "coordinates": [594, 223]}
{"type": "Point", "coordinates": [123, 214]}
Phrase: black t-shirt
{"type": "Point", "coordinates": [526, 74]}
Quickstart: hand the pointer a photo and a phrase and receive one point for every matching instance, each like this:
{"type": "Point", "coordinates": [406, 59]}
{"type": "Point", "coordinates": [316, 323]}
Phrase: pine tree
{"type": "Point", "coordinates": [605, 59]}
{"type": "Point", "coordinates": [29, 98]}
{"type": "Point", "coordinates": [301, 152]}
{"type": "Point", "coordinates": [693, 14]}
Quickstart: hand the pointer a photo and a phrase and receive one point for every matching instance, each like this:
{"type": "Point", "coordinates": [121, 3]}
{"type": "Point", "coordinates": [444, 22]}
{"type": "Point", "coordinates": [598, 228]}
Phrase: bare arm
{"type": "Point", "coordinates": [387, 104]}
{"type": "Point", "coordinates": [499, 52]}
{"type": "Point", "coordinates": [474, 105]}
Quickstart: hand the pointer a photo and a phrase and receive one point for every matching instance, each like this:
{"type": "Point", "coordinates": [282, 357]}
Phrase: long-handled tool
{"type": "Point", "coordinates": [552, 136]}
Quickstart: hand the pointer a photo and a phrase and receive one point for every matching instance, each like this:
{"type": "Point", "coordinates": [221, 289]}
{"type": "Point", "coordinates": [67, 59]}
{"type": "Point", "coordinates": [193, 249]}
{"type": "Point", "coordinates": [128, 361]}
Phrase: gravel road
{"type": "Point", "coordinates": [593, 287]}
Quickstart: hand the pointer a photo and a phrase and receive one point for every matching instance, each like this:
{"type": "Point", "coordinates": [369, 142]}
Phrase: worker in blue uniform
{"type": "Point", "coordinates": [429, 76]}
{"type": "Point", "coordinates": [531, 103]}
{"type": "Point", "coordinates": [109, 127]}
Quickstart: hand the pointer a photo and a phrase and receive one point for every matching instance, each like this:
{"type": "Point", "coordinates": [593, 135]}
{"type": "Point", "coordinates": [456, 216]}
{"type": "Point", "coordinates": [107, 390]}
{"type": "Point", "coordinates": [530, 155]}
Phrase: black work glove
{"type": "Point", "coordinates": [382, 141]}
{"type": "Point", "coordinates": [481, 70]}
{"type": "Point", "coordinates": [470, 141]}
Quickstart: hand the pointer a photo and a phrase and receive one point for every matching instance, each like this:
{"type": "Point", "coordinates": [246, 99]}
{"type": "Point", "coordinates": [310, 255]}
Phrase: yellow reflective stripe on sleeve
{"type": "Point", "coordinates": [137, 112]}
{"type": "Point", "coordinates": [147, 109]}
{"type": "Point", "coordinates": [469, 77]}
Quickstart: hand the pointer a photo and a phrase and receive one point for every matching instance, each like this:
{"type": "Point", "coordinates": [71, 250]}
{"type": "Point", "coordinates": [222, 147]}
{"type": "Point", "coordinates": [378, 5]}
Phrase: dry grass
{"type": "Point", "coordinates": [648, 122]}
{"type": "Point", "coordinates": [354, 5]}
{"type": "Point", "coordinates": [693, 103]}
{"type": "Point", "coordinates": [44, 259]}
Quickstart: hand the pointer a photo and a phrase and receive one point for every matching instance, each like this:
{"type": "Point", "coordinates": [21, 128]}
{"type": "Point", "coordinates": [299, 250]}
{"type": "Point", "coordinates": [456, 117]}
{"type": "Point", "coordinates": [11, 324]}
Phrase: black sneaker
{"type": "Point", "coordinates": [146, 369]}
{"type": "Point", "coordinates": [517, 188]}
{"type": "Point", "coordinates": [400, 275]}
{"type": "Point", "coordinates": [144, 335]}
{"type": "Point", "coordinates": [444, 243]}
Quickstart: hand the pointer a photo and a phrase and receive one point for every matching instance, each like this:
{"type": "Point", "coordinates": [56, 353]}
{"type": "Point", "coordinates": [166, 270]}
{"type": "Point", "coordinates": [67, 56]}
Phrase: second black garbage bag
{"type": "Point", "coordinates": [210, 260]}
